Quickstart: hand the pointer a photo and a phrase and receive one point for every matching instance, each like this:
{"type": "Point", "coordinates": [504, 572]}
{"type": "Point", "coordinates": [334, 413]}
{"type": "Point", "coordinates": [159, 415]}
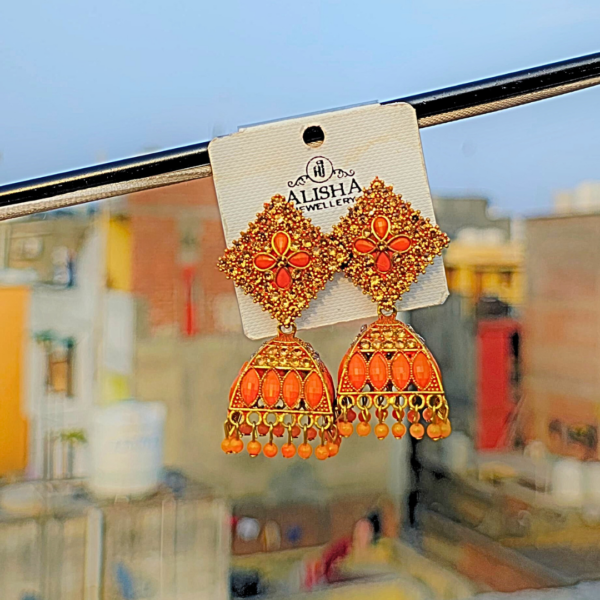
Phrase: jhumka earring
{"type": "Point", "coordinates": [282, 260]}
{"type": "Point", "coordinates": [388, 367]}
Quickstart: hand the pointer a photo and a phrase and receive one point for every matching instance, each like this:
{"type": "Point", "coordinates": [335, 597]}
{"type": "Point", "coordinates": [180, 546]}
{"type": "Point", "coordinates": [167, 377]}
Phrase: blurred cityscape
{"type": "Point", "coordinates": [120, 340]}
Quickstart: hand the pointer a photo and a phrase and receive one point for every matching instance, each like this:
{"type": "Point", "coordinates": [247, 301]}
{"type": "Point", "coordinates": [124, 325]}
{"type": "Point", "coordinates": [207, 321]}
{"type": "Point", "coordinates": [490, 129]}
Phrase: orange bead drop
{"type": "Point", "coordinates": [226, 446]}
{"type": "Point", "coordinates": [253, 448]}
{"type": "Point", "coordinates": [421, 370]}
{"type": "Point", "coordinates": [321, 452]}
{"type": "Point", "coordinates": [446, 428]}
{"type": "Point", "coordinates": [381, 431]}
{"type": "Point", "coordinates": [237, 445]}
{"type": "Point", "coordinates": [288, 450]}
{"type": "Point", "coordinates": [357, 371]}
{"type": "Point", "coordinates": [363, 429]}
{"type": "Point", "coordinates": [345, 428]}
{"type": "Point", "coordinates": [398, 430]}
{"type": "Point", "coordinates": [313, 390]}
{"type": "Point", "coordinates": [271, 387]}
{"type": "Point", "coordinates": [249, 387]}
{"type": "Point", "coordinates": [333, 449]}
{"type": "Point", "coordinates": [378, 371]}
{"type": "Point", "coordinates": [270, 450]}
{"type": "Point", "coordinates": [304, 451]}
{"type": "Point", "coordinates": [400, 371]}
{"type": "Point", "coordinates": [434, 431]}
{"type": "Point", "coordinates": [417, 430]}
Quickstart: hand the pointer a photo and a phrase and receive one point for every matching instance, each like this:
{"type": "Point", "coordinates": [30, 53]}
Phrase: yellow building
{"type": "Point", "coordinates": [480, 270]}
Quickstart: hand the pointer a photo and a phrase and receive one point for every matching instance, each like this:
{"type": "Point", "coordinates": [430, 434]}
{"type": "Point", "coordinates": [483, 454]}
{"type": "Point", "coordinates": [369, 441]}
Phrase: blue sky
{"type": "Point", "coordinates": [82, 82]}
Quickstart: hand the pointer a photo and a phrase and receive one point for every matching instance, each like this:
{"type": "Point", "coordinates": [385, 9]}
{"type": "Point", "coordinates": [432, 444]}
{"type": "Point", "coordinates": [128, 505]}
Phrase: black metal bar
{"type": "Point", "coordinates": [463, 96]}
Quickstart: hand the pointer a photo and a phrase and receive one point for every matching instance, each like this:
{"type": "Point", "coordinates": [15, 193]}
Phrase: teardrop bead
{"type": "Point", "coordinates": [292, 385]}
{"type": "Point", "coordinates": [381, 227]}
{"type": "Point", "coordinates": [378, 371]}
{"type": "Point", "coordinates": [421, 370]}
{"type": "Point", "coordinates": [281, 242]}
{"type": "Point", "coordinates": [264, 261]}
{"type": "Point", "coordinates": [249, 387]}
{"type": "Point", "coordinates": [400, 243]}
{"type": "Point", "coordinates": [313, 390]}
{"type": "Point", "coordinates": [364, 246]}
{"type": "Point", "coordinates": [383, 262]}
{"type": "Point", "coordinates": [357, 371]}
{"type": "Point", "coordinates": [283, 279]}
{"type": "Point", "coordinates": [299, 260]}
{"type": "Point", "coordinates": [400, 371]}
{"type": "Point", "coordinates": [271, 387]}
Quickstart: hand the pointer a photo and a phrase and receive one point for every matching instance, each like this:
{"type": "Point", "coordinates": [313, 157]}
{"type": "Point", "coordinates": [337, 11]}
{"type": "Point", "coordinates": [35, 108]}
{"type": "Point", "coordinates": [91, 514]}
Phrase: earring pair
{"type": "Point", "coordinates": [282, 260]}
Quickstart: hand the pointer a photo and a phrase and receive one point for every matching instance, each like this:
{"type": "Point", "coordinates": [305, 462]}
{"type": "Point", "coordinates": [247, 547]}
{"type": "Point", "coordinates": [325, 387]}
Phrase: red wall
{"type": "Point", "coordinates": [495, 401]}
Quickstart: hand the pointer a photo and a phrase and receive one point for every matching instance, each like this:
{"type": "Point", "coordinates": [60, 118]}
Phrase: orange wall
{"type": "Point", "coordinates": [14, 306]}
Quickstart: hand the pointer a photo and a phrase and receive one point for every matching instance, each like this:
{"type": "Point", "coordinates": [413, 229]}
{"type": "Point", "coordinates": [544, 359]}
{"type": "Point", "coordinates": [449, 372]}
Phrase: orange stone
{"type": "Point", "coordinates": [249, 387]}
{"type": "Point", "coordinates": [400, 243]}
{"type": "Point", "coordinates": [280, 242]}
{"type": "Point", "coordinates": [446, 428]}
{"type": "Point", "coordinates": [333, 449]}
{"type": "Point", "coordinates": [263, 261]}
{"type": "Point", "coordinates": [283, 279]}
{"type": "Point", "coordinates": [381, 227]}
{"type": "Point", "coordinates": [329, 383]}
{"type": "Point", "coordinates": [299, 260]}
{"type": "Point", "coordinates": [292, 385]}
{"type": "Point", "coordinates": [383, 262]}
{"type": "Point", "coordinates": [237, 445]}
{"type": "Point", "coordinates": [400, 371]}
{"type": "Point", "coordinates": [226, 446]}
{"type": "Point", "coordinates": [364, 246]}
{"type": "Point", "coordinates": [357, 371]}
{"type": "Point", "coordinates": [271, 387]}
{"type": "Point", "coordinates": [378, 371]}
{"type": "Point", "coordinates": [313, 390]}
{"type": "Point", "coordinates": [421, 370]}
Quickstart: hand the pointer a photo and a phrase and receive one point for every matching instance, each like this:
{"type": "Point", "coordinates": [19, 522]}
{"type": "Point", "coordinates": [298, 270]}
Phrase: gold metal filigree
{"type": "Point", "coordinates": [282, 260]}
{"type": "Point", "coordinates": [389, 244]}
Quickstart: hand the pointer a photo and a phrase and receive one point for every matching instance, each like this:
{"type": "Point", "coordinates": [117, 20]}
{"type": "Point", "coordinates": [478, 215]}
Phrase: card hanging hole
{"type": "Point", "coordinates": [313, 136]}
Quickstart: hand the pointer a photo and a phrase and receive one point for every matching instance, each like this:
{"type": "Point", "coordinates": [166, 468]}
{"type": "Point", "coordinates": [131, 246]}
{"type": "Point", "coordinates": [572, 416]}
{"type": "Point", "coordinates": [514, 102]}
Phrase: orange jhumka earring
{"type": "Point", "coordinates": [282, 260]}
{"type": "Point", "coordinates": [388, 367]}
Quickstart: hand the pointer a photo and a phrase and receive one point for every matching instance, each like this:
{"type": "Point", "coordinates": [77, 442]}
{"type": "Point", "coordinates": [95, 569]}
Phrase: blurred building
{"type": "Point", "coordinates": [484, 267]}
{"type": "Point", "coordinates": [561, 405]}
{"type": "Point", "coordinates": [68, 339]}
{"type": "Point", "coordinates": [585, 198]}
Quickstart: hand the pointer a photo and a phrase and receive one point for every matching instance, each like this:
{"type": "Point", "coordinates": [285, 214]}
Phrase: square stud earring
{"type": "Point", "coordinates": [282, 260]}
{"type": "Point", "coordinates": [388, 366]}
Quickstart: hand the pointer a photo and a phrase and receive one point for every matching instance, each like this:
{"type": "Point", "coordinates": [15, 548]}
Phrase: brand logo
{"type": "Point", "coordinates": [320, 170]}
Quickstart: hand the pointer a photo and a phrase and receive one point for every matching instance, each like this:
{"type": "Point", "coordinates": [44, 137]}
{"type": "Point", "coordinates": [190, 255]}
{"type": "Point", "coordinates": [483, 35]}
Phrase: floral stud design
{"type": "Point", "coordinates": [282, 260]}
{"type": "Point", "coordinates": [389, 244]}
{"type": "Point", "coordinates": [381, 245]}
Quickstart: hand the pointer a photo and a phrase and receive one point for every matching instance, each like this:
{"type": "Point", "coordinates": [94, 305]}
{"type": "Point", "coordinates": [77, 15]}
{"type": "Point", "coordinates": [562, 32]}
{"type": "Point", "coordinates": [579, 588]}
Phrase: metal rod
{"type": "Point", "coordinates": [192, 162]}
